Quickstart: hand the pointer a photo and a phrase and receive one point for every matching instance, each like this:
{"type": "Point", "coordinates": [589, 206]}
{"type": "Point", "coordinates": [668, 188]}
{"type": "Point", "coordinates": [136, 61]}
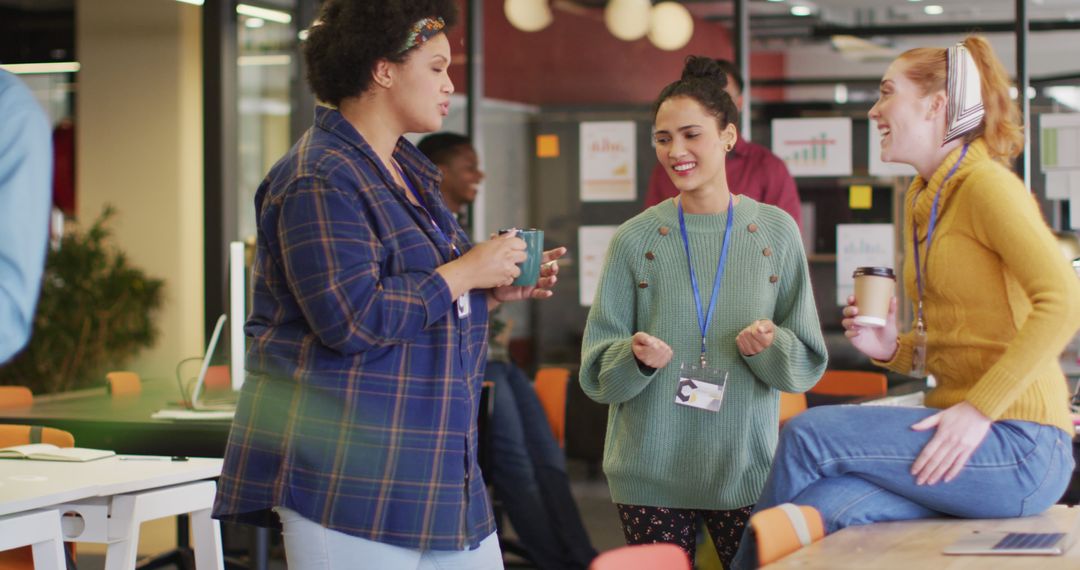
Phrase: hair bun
{"type": "Point", "coordinates": [699, 67]}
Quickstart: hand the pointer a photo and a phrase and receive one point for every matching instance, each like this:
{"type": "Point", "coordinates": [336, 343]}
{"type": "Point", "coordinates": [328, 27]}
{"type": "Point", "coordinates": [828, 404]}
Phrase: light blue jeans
{"type": "Point", "coordinates": [852, 463]}
{"type": "Point", "coordinates": [311, 546]}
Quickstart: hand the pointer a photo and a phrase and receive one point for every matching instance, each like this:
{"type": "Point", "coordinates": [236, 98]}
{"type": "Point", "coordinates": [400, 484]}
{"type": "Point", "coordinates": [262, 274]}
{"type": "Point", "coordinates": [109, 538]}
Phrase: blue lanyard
{"type": "Point", "coordinates": [420, 201]}
{"type": "Point", "coordinates": [919, 269]}
{"type": "Point", "coordinates": [703, 318]}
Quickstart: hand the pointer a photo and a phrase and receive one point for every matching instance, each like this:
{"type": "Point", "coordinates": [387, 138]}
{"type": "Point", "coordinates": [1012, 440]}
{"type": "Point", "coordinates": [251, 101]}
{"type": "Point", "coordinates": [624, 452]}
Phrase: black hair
{"type": "Point", "coordinates": [703, 80]}
{"type": "Point", "coordinates": [732, 72]}
{"type": "Point", "coordinates": [441, 147]}
{"type": "Point", "coordinates": [350, 36]}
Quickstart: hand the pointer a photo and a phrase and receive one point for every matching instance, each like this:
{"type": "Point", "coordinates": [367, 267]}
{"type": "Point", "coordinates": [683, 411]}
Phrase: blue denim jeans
{"type": "Point", "coordinates": [852, 463]}
{"type": "Point", "coordinates": [311, 546]}
{"type": "Point", "coordinates": [528, 472]}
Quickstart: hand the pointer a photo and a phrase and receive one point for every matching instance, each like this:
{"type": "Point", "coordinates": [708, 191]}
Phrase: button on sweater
{"type": "Point", "coordinates": [658, 453]}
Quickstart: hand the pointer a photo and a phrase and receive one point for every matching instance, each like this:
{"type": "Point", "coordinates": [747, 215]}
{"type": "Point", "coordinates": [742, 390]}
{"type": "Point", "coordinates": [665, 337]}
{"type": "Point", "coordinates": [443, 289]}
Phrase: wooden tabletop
{"type": "Point", "coordinates": [917, 545]}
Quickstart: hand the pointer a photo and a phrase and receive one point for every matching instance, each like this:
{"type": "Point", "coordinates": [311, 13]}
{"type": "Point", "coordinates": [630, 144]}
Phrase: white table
{"type": "Point", "coordinates": [113, 496]}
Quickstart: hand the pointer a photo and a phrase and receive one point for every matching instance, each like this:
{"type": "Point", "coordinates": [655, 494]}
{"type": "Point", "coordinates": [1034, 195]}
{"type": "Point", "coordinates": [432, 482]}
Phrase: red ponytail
{"type": "Point", "coordinates": [1000, 127]}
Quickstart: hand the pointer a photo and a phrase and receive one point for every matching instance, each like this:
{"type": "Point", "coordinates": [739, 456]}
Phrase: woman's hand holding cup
{"type": "Point", "coordinates": [549, 272]}
{"type": "Point", "coordinates": [876, 342]}
{"type": "Point", "coordinates": [488, 264]}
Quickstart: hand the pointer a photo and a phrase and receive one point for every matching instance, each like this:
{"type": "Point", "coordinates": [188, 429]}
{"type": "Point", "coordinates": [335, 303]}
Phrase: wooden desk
{"type": "Point", "coordinates": [918, 545]}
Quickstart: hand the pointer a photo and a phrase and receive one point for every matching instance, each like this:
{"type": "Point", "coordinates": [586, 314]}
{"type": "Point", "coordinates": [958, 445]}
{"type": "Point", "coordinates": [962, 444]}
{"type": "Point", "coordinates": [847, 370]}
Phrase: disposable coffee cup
{"type": "Point", "coordinates": [534, 250]}
{"type": "Point", "coordinates": [874, 290]}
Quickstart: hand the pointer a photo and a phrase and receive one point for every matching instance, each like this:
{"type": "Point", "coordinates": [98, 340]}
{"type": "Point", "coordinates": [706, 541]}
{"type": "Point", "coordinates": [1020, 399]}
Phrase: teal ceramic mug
{"type": "Point", "coordinates": [534, 250]}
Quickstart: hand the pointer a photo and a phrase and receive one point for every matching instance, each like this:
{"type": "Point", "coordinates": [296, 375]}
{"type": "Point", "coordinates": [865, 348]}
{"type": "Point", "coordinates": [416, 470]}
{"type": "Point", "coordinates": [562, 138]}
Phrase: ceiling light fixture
{"type": "Point", "coordinates": [33, 68]}
{"type": "Point", "coordinates": [801, 11]}
{"type": "Point", "coordinates": [264, 13]}
{"type": "Point", "coordinates": [671, 26]}
{"type": "Point", "coordinates": [628, 20]}
{"type": "Point", "coordinates": [933, 9]}
{"type": "Point", "coordinates": [528, 15]}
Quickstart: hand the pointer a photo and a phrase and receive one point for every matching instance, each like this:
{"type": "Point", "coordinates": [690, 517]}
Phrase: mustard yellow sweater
{"type": "Point", "coordinates": [1001, 301]}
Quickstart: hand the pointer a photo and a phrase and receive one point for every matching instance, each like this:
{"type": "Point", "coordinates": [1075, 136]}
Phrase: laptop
{"type": "Point", "coordinates": [1016, 543]}
{"type": "Point", "coordinates": [228, 402]}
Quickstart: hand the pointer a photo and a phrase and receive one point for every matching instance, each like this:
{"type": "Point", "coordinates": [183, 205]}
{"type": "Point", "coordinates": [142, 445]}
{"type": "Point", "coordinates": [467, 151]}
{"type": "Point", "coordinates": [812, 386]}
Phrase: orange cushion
{"type": "Point", "coordinates": [776, 536]}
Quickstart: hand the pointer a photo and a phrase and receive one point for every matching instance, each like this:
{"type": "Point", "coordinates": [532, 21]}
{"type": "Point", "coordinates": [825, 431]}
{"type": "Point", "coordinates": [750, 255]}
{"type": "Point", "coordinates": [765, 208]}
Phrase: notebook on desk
{"type": "Point", "coordinates": [1016, 543]}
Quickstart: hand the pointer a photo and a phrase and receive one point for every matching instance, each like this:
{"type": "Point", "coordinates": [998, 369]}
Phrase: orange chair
{"type": "Point", "coordinates": [123, 383]}
{"type": "Point", "coordinates": [16, 397]}
{"type": "Point", "coordinates": [791, 405]}
{"type": "Point", "coordinates": [837, 383]}
{"type": "Point", "coordinates": [217, 378]}
{"type": "Point", "coordinates": [550, 386]}
{"type": "Point", "coordinates": [23, 558]}
{"type": "Point", "coordinates": [851, 383]}
{"type": "Point", "coordinates": [783, 529]}
{"type": "Point", "coordinates": [643, 557]}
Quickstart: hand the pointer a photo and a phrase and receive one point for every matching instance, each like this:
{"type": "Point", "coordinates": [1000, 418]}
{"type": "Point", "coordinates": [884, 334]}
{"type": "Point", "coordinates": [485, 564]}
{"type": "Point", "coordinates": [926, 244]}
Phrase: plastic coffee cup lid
{"type": "Point", "coordinates": [874, 272]}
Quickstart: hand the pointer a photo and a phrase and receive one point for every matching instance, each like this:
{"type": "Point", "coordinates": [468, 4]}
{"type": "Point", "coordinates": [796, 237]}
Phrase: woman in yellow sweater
{"type": "Point", "coordinates": [995, 304]}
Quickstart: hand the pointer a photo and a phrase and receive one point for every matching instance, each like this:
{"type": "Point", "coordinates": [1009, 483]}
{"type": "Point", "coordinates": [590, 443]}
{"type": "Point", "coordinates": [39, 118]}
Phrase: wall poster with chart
{"type": "Point", "coordinates": [608, 161]}
{"type": "Point", "coordinates": [813, 147]}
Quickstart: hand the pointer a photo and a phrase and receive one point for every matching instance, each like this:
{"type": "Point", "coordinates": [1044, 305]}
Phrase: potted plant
{"type": "Point", "coordinates": [95, 313]}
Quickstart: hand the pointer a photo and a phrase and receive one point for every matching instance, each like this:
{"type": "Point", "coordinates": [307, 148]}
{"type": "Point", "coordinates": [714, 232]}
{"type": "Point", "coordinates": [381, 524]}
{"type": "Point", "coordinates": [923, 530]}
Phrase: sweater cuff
{"type": "Point", "coordinates": [773, 361]}
{"type": "Point", "coordinates": [901, 360]}
{"type": "Point", "coordinates": [623, 378]}
{"type": "Point", "coordinates": [435, 294]}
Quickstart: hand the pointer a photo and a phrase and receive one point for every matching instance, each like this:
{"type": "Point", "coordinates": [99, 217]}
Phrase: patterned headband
{"type": "Point", "coordinates": [964, 90]}
{"type": "Point", "coordinates": [422, 31]}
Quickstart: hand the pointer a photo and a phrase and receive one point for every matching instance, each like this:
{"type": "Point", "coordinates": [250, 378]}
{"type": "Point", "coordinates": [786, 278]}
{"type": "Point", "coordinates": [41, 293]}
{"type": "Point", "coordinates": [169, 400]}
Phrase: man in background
{"type": "Point", "coordinates": [25, 198]}
{"type": "Point", "coordinates": [527, 466]}
{"type": "Point", "coordinates": [752, 170]}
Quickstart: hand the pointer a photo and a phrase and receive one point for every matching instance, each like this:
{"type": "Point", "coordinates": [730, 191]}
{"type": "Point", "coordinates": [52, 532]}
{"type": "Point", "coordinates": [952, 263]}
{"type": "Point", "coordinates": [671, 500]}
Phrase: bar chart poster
{"type": "Point", "coordinates": [608, 161]}
{"type": "Point", "coordinates": [813, 147]}
{"type": "Point", "coordinates": [1059, 135]}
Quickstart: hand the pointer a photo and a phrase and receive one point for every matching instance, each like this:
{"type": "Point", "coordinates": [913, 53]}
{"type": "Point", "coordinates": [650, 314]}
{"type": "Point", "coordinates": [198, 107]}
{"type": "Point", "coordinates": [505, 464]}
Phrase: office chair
{"type": "Point", "coordinates": [836, 386]}
{"type": "Point", "coordinates": [16, 397]}
{"type": "Point", "coordinates": [550, 385]}
{"type": "Point", "coordinates": [643, 557]}
{"type": "Point", "coordinates": [122, 383]}
{"type": "Point", "coordinates": [23, 558]}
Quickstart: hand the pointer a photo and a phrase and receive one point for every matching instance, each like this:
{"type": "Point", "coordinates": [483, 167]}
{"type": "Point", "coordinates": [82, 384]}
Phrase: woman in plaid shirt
{"type": "Point", "coordinates": [357, 423]}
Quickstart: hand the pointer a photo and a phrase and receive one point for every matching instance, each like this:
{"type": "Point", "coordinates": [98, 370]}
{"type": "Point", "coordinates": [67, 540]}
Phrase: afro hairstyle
{"type": "Point", "coordinates": [350, 36]}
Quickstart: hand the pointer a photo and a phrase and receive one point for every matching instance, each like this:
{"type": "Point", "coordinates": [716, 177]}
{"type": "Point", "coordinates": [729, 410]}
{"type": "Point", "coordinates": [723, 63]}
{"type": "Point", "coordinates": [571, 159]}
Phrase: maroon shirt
{"type": "Point", "coordinates": [752, 170]}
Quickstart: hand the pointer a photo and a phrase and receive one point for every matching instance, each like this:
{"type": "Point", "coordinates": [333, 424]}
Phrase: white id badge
{"type": "Point", "coordinates": [701, 386]}
{"type": "Point", "coordinates": [463, 306]}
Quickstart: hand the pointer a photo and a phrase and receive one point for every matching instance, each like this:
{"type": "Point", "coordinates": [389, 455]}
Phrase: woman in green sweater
{"type": "Point", "coordinates": [995, 303]}
{"type": "Point", "coordinates": [703, 314]}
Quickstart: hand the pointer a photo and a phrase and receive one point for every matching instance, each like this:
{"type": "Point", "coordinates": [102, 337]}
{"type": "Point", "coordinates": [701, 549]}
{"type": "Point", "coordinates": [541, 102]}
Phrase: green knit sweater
{"type": "Point", "coordinates": [658, 453]}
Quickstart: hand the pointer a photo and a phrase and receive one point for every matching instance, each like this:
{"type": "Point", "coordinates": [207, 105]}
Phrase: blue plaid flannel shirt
{"type": "Point", "coordinates": [359, 409]}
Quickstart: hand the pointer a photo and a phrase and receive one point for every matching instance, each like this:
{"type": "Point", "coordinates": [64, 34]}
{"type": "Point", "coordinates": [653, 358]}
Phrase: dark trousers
{"type": "Point", "coordinates": [647, 525]}
{"type": "Point", "coordinates": [528, 471]}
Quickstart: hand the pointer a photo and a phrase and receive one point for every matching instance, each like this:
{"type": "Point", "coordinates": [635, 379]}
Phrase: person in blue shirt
{"type": "Point", "coordinates": [356, 424]}
{"type": "Point", "coordinates": [527, 466]}
{"type": "Point", "coordinates": [25, 198]}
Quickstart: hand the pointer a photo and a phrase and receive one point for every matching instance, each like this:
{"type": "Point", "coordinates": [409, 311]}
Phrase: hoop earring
{"type": "Point", "coordinates": [728, 147]}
